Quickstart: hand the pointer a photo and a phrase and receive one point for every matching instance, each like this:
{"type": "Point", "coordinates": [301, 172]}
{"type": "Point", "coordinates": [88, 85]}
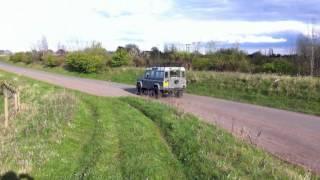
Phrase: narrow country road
{"type": "Point", "coordinates": [294, 137]}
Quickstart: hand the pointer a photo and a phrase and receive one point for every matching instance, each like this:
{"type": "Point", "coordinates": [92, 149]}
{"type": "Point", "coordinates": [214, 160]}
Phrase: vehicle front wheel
{"type": "Point", "coordinates": [156, 92]}
{"type": "Point", "coordinates": [139, 89]}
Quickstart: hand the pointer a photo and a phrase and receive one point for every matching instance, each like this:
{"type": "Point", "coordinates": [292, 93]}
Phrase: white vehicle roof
{"type": "Point", "coordinates": [167, 68]}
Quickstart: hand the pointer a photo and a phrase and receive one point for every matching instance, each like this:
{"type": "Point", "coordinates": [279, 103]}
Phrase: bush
{"type": "Point", "coordinates": [223, 60]}
{"type": "Point", "coordinates": [120, 58]}
{"type": "Point", "coordinates": [21, 57]}
{"type": "Point", "coordinates": [201, 63]}
{"type": "Point", "coordinates": [27, 58]}
{"type": "Point", "coordinates": [280, 67]}
{"type": "Point", "coordinates": [96, 49]}
{"type": "Point", "coordinates": [51, 60]}
{"type": "Point", "coordinates": [17, 57]}
{"type": "Point", "coordinates": [84, 62]}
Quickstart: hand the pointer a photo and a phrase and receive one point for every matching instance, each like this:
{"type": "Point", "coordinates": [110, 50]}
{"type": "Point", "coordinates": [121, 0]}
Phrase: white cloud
{"type": "Point", "coordinates": [148, 22]}
{"type": "Point", "coordinates": [141, 7]}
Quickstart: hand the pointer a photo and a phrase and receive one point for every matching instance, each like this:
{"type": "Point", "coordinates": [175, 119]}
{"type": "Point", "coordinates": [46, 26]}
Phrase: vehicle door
{"type": "Point", "coordinates": [174, 79]}
{"type": "Point", "coordinates": [146, 80]}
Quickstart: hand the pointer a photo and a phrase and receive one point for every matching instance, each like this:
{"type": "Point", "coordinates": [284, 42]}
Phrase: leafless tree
{"type": "Point", "coordinates": [44, 44]}
{"type": "Point", "coordinates": [210, 47]}
{"type": "Point", "coordinates": [308, 53]}
{"type": "Point", "coordinates": [196, 47]}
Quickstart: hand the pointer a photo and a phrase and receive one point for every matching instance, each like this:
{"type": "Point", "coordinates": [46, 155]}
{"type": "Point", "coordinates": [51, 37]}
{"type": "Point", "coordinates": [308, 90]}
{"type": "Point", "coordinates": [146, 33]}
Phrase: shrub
{"type": "Point", "coordinates": [51, 60]}
{"type": "Point", "coordinates": [280, 66]}
{"type": "Point", "coordinates": [201, 63]}
{"type": "Point", "coordinates": [96, 49]}
{"type": "Point", "coordinates": [84, 62]}
{"type": "Point", "coordinates": [17, 57]}
{"type": "Point", "coordinates": [21, 57]}
{"type": "Point", "coordinates": [120, 58]}
{"type": "Point", "coordinates": [27, 58]}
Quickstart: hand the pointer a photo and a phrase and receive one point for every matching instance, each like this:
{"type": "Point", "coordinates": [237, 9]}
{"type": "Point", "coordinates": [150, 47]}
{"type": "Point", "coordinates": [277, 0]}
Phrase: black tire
{"type": "Point", "coordinates": [179, 93]}
{"type": "Point", "coordinates": [163, 94]}
{"type": "Point", "coordinates": [156, 92]}
{"type": "Point", "coordinates": [139, 89]}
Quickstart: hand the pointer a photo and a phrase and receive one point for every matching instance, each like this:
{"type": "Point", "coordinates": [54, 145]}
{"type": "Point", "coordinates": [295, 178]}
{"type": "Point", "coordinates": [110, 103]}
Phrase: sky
{"type": "Point", "coordinates": [254, 25]}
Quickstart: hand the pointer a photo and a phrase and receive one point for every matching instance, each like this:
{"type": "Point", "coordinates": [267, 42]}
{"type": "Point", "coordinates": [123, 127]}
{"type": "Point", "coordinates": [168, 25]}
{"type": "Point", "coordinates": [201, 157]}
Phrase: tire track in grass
{"type": "Point", "coordinates": [95, 165]}
{"type": "Point", "coordinates": [144, 154]}
{"type": "Point", "coordinates": [88, 151]}
{"type": "Point", "coordinates": [92, 150]}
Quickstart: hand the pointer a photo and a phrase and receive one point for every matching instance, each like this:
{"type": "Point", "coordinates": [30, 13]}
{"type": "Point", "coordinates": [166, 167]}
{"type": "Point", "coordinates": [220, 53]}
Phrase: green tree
{"type": "Point", "coordinates": [120, 58]}
{"type": "Point", "coordinates": [96, 49]}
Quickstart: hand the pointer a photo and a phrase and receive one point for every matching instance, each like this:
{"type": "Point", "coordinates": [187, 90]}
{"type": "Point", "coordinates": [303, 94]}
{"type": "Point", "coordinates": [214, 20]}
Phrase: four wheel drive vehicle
{"type": "Point", "coordinates": [163, 80]}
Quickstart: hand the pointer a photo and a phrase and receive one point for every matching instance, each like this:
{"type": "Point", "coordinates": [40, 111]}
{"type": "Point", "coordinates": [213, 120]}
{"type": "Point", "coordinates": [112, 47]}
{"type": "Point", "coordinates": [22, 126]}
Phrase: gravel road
{"type": "Point", "coordinates": [294, 137]}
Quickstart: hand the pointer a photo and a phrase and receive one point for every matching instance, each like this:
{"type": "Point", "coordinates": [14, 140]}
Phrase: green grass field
{"type": "Point", "coordinates": [300, 94]}
{"type": "Point", "coordinates": [63, 134]}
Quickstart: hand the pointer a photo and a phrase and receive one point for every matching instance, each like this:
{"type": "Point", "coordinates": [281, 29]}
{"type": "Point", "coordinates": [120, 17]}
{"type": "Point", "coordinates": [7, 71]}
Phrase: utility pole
{"type": "Point", "coordinates": [188, 47]}
{"type": "Point", "coordinates": [312, 51]}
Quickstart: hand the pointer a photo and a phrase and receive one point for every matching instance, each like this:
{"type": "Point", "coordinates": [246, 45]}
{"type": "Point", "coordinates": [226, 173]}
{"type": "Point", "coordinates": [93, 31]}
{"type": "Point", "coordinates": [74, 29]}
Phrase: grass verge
{"type": "Point", "coordinates": [207, 152]}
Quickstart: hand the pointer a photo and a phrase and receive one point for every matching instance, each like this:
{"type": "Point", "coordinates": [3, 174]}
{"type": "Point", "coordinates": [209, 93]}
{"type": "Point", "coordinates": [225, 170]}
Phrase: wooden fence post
{"type": "Point", "coordinates": [6, 110]}
{"type": "Point", "coordinates": [18, 101]}
{"type": "Point", "coordinates": [16, 108]}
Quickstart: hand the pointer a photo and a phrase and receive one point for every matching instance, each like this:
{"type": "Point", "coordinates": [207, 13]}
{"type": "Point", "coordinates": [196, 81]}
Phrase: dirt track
{"type": "Point", "coordinates": [292, 136]}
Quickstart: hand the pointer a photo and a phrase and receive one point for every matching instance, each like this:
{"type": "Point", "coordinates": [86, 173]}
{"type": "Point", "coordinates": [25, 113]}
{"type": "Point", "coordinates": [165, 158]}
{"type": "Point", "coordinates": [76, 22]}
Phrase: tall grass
{"type": "Point", "coordinates": [286, 92]}
{"type": "Point", "coordinates": [44, 112]}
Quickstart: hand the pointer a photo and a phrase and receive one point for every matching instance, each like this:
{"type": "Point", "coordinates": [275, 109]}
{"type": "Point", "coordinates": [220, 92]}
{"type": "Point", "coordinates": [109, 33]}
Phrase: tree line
{"type": "Point", "coordinates": [95, 58]}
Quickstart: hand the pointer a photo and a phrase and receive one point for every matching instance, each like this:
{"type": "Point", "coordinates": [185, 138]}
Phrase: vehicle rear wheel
{"type": "Point", "coordinates": [179, 93]}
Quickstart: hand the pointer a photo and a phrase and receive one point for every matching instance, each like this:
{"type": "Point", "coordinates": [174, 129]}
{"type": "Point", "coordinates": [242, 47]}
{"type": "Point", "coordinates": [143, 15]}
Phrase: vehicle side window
{"type": "Point", "coordinates": [174, 73]}
{"type": "Point", "coordinates": [147, 74]}
{"type": "Point", "coordinates": [166, 74]}
{"type": "Point", "coordinates": [183, 74]}
{"type": "Point", "coordinates": [160, 74]}
{"type": "Point", "coordinates": [153, 74]}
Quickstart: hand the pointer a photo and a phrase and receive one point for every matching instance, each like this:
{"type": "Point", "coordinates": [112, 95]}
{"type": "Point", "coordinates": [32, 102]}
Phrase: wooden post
{"type": "Point", "coordinates": [18, 101]}
{"type": "Point", "coordinates": [6, 110]}
{"type": "Point", "coordinates": [16, 108]}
